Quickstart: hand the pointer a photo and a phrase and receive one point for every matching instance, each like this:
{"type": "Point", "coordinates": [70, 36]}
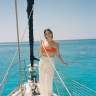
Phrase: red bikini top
{"type": "Point", "coordinates": [49, 49]}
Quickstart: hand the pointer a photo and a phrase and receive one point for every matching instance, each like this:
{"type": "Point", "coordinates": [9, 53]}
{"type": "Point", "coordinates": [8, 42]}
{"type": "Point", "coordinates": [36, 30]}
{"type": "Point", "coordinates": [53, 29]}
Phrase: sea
{"type": "Point", "coordinates": [80, 55]}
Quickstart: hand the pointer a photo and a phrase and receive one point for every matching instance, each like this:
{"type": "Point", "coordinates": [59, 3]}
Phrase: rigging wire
{"type": "Point", "coordinates": [18, 43]}
{"type": "Point", "coordinates": [74, 86]}
{"type": "Point", "coordinates": [18, 49]}
{"type": "Point", "coordinates": [77, 82]}
{"type": "Point", "coordinates": [5, 77]}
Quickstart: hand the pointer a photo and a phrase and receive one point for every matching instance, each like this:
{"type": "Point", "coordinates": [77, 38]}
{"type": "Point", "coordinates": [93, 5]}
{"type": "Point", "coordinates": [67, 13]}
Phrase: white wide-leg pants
{"type": "Point", "coordinates": [46, 74]}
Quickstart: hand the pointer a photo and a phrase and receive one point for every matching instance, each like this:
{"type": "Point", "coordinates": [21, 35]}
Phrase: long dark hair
{"type": "Point", "coordinates": [48, 30]}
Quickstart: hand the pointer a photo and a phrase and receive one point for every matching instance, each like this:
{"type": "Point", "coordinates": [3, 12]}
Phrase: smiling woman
{"type": "Point", "coordinates": [49, 49]}
{"type": "Point", "coordinates": [48, 32]}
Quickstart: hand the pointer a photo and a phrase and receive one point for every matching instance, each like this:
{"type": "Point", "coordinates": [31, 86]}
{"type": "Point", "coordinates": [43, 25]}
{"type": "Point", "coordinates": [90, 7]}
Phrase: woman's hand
{"type": "Point", "coordinates": [40, 49]}
{"type": "Point", "coordinates": [41, 42]}
{"type": "Point", "coordinates": [58, 55]}
{"type": "Point", "coordinates": [65, 64]}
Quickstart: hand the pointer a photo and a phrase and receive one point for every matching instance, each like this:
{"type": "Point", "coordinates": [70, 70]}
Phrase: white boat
{"type": "Point", "coordinates": [64, 85]}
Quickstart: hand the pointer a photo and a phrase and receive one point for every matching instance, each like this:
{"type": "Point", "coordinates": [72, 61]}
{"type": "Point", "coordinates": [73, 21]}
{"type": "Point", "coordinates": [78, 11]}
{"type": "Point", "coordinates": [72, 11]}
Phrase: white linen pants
{"type": "Point", "coordinates": [46, 74]}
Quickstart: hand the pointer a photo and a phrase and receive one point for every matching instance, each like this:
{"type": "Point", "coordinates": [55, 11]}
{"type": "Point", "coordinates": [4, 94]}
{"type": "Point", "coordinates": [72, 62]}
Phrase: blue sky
{"type": "Point", "coordinates": [68, 19]}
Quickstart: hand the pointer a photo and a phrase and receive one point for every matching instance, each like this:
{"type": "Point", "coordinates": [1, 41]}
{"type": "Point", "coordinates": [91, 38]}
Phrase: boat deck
{"type": "Point", "coordinates": [27, 90]}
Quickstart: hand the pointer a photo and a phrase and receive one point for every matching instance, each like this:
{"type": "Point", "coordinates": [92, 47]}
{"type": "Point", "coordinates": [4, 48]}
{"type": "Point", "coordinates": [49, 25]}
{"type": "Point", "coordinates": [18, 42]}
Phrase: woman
{"type": "Point", "coordinates": [46, 70]}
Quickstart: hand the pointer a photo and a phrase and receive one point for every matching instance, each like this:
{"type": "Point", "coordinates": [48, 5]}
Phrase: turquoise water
{"type": "Point", "coordinates": [79, 54]}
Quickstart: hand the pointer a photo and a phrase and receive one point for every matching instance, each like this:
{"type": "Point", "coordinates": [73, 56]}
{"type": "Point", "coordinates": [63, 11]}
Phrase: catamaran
{"type": "Point", "coordinates": [65, 86]}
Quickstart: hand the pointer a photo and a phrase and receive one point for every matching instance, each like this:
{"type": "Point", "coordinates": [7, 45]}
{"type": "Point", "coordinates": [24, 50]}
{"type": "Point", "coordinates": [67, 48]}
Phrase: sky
{"type": "Point", "coordinates": [68, 19]}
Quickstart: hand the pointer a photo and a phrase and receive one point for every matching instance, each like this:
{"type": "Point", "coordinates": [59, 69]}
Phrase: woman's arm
{"type": "Point", "coordinates": [40, 51]}
{"type": "Point", "coordinates": [58, 55]}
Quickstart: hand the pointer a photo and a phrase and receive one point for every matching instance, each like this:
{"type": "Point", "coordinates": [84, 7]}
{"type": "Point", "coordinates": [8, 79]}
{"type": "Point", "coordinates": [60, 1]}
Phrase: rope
{"type": "Point", "coordinates": [56, 71]}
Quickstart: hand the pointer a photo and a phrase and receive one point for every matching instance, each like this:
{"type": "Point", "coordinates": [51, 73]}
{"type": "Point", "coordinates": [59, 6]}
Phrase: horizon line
{"type": "Point", "coordinates": [56, 40]}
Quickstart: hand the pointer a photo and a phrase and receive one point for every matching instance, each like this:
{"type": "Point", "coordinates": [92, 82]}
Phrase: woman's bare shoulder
{"type": "Point", "coordinates": [56, 43]}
